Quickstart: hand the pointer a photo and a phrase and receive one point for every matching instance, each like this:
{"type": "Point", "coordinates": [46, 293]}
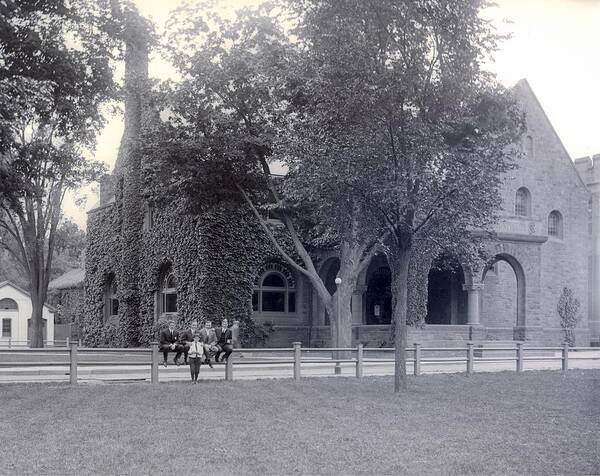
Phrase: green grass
{"type": "Point", "coordinates": [536, 422]}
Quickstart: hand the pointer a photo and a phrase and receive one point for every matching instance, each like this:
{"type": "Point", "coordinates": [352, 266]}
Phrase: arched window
{"type": "Point", "coordinates": [276, 291]}
{"type": "Point", "coordinates": [8, 304]}
{"type": "Point", "coordinates": [529, 146]}
{"type": "Point", "coordinates": [590, 215]}
{"type": "Point", "coordinates": [111, 299]}
{"type": "Point", "coordinates": [555, 224]}
{"type": "Point", "coordinates": [148, 223]}
{"type": "Point", "coordinates": [168, 292]}
{"type": "Point", "coordinates": [523, 202]}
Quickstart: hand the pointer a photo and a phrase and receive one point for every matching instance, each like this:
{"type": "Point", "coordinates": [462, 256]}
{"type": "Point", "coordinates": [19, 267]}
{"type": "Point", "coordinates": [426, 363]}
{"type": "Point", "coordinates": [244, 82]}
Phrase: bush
{"type": "Point", "coordinates": [253, 334]}
{"type": "Point", "coordinates": [568, 310]}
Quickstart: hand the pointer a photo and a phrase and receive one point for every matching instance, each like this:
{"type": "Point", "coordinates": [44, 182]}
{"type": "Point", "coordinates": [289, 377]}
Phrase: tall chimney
{"type": "Point", "coordinates": [128, 174]}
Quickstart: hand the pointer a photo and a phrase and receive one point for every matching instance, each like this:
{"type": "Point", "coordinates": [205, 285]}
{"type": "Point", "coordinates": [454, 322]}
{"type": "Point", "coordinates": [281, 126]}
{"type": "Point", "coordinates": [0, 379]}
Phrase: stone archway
{"type": "Point", "coordinates": [446, 294]}
{"type": "Point", "coordinates": [376, 292]}
{"type": "Point", "coordinates": [518, 320]}
{"type": "Point", "coordinates": [379, 297]}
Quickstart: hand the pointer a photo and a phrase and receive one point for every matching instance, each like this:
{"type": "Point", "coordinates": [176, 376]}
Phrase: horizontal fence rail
{"type": "Point", "coordinates": [9, 343]}
{"type": "Point", "coordinates": [73, 357]}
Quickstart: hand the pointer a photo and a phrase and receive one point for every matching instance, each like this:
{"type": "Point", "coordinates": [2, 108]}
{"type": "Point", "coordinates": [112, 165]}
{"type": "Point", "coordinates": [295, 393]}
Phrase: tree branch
{"type": "Point", "coordinates": [312, 275]}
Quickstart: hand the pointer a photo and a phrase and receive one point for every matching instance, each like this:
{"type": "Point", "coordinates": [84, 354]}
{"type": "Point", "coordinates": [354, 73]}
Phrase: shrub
{"type": "Point", "coordinates": [568, 310]}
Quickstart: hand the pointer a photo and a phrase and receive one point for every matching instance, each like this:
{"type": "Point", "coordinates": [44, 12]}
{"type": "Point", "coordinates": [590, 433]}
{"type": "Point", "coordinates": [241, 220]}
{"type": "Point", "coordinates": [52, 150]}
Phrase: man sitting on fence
{"type": "Point", "coordinates": [224, 341]}
{"type": "Point", "coordinates": [209, 338]}
{"type": "Point", "coordinates": [169, 343]}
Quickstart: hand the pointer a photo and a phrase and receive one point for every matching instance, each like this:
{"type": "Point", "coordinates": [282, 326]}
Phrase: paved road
{"type": "Point", "coordinates": [128, 366]}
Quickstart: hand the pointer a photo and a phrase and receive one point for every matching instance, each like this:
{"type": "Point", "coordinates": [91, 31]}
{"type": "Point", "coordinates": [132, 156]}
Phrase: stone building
{"type": "Point", "coordinates": [146, 263]}
{"type": "Point", "coordinates": [213, 266]}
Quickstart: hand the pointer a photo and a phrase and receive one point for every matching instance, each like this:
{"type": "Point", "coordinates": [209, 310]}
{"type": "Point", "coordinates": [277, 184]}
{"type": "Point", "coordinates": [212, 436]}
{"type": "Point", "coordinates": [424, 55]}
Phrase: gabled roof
{"type": "Point", "coordinates": [22, 291]}
{"type": "Point", "coordinates": [18, 288]}
{"type": "Point", "coordinates": [524, 84]}
{"type": "Point", "coordinates": [71, 279]}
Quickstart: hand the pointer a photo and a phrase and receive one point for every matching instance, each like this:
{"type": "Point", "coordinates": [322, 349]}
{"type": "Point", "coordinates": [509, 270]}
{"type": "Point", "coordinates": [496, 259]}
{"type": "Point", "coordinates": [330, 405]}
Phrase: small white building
{"type": "Point", "coordinates": [15, 317]}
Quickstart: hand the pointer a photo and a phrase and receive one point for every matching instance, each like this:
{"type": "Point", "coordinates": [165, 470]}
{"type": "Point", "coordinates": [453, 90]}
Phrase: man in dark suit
{"type": "Point", "coordinates": [169, 342]}
{"type": "Point", "coordinates": [209, 339]}
{"type": "Point", "coordinates": [224, 341]}
{"type": "Point", "coordinates": [186, 338]}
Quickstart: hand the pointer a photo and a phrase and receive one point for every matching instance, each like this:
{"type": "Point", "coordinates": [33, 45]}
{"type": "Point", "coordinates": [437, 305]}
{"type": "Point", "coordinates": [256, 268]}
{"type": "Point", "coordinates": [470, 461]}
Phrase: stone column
{"type": "Point", "coordinates": [357, 305]}
{"type": "Point", "coordinates": [473, 312]}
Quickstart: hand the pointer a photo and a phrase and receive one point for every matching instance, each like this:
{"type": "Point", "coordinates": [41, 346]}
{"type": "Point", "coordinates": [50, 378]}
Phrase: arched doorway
{"type": "Point", "coordinates": [504, 293]}
{"type": "Point", "coordinates": [446, 299]}
{"type": "Point", "coordinates": [378, 297]}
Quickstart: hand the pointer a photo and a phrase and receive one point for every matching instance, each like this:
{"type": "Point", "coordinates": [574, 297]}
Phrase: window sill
{"type": "Point", "coordinates": [275, 313]}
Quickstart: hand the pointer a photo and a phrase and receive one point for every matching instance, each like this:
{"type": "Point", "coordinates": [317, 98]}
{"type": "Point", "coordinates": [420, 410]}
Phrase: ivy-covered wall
{"type": "Point", "coordinates": [69, 305]}
{"type": "Point", "coordinates": [214, 258]}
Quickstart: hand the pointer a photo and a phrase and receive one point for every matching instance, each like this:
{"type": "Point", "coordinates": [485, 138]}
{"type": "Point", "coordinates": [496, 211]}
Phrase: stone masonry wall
{"type": "Point", "coordinates": [549, 175]}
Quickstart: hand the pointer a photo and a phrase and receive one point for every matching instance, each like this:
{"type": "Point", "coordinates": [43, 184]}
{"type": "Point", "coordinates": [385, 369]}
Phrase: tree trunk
{"type": "Point", "coordinates": [340, 317]}
{"type": "Point", "coordinates": [37, 325]}
{"type": "Point", "coordinates": [399, 261]}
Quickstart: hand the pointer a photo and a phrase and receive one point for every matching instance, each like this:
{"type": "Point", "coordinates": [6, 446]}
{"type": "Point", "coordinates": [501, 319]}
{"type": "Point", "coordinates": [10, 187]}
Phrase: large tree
{"type": "Point", "coordinates": [55, 73]}
{"type": "Point", "coordinates": [430, 132]}
{"type": "Point", "coordinates": [229, 119]}
{"type": "Point", "coordinates": [69, 253]}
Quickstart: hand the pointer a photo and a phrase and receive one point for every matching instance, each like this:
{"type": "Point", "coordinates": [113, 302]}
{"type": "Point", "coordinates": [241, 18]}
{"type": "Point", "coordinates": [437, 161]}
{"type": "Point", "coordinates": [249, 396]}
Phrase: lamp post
{"type": "Point", "coordinates": [338, 367]}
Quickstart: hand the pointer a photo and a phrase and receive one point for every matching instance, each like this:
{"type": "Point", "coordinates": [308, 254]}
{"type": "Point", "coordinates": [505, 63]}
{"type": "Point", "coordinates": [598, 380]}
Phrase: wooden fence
{"type": "Point", "coordinates": [10, 343]}
{"type": "Point", "coordinates": [353, 355]}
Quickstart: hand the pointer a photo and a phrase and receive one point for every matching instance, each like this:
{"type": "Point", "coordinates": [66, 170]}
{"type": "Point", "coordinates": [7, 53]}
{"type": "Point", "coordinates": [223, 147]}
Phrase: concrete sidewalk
{"type": "Point", "coordinates": [251, 370]}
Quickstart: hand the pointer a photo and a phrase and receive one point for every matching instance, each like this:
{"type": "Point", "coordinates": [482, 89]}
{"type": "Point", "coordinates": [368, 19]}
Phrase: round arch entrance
{"type": "Point", "coordinates": [446, 298]}
{"type": "Point", "coordinates": [378, 295]}
{"type": "Point", "coordinates": [504, 293]}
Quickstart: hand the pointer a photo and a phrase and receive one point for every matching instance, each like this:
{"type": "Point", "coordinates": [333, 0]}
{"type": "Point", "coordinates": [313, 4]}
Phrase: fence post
{"type": "Point", "coordinates": [154, 363]}
{"type": "Point", "coordinates": [68, 343]}
{"type": "Point", "coordinates": [79, 343]}
{"type": "Point", "coordinates": [229, 367]}
{"type": "Point", "coordinates": [417, 362]}
{"type": "Point", "coordinates": [469, 358]}
{"type": "Point", "coordinates": [565, 357]}
{"type": "Point", "coordinates": [73, 356]}
{"type": "Point", "coordinates": [359, 361]}
{"type": "Point", "coordinates": [9, 342]}
{"type": "Point", "coordinates": [297, 360]}
{"type": "Point", "coordinates": [519, 356]}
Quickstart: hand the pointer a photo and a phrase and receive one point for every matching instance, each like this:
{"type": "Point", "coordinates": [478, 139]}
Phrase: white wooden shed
{"type": "Point", "coordinates": [15, 317]}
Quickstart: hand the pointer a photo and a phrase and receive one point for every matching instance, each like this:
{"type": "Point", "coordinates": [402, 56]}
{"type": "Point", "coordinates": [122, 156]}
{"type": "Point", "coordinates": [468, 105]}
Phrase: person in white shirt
{"type": "Point", "coordinates": [195, 356]}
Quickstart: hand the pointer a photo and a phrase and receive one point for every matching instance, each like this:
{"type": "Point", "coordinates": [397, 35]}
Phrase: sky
{"type": "Point", "coordinates": [554, 45]}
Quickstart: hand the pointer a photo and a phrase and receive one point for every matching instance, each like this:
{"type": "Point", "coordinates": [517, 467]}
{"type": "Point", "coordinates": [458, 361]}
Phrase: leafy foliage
{"type": "Point", "coordinates": [214, 256]}
{"type": "Point", "coordinates": [568, 310]}
{"type": "Point", "coordinates": [402, 120]}
{"type": "Point", "coordinates": [55, 72]}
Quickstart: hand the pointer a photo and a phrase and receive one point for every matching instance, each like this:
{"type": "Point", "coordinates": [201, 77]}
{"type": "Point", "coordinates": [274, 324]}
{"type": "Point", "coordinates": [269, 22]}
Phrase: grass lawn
{"type": "Point", "coordinates": [498, 423]}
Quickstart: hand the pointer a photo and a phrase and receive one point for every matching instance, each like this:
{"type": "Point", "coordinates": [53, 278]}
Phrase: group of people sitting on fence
{"type": "Point", "coordinates": [198, 346]}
